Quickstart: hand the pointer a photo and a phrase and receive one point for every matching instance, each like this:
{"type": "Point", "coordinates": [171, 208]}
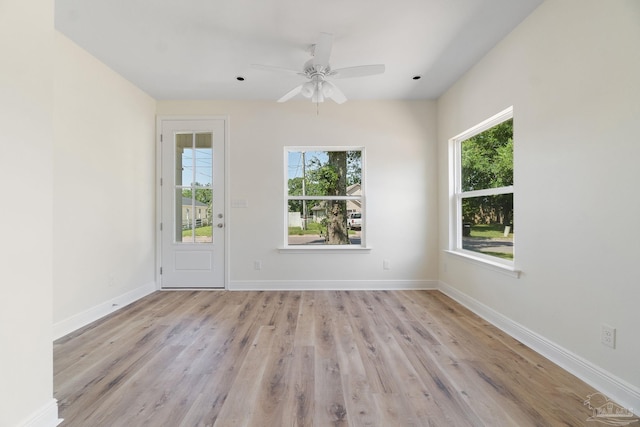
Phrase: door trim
{"type": "Point", "coordinates": [158, 193]}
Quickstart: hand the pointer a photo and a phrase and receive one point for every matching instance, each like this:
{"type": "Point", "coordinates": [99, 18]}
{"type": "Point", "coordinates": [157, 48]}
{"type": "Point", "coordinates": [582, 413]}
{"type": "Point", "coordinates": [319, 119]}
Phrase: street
{"type": "Point", "coordinates": [478, 244]}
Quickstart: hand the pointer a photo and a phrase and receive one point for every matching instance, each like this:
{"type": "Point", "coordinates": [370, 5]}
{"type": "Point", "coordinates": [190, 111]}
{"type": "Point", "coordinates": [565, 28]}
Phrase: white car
{"type": "Point", "coordinates": [355, 220]}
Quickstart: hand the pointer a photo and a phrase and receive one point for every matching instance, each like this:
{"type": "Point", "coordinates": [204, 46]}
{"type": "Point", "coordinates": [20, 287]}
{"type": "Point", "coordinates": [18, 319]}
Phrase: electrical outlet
{"type": "Point", "coordinates": [386, 264]}
{"type": "Point", "coordinates": [257, 265]}
{"type": "Point", "coordinates": [608, 336]}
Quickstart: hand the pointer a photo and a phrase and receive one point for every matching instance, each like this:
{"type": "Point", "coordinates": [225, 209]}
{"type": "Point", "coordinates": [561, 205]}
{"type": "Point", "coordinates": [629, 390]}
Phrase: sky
{"type": "Point", "coordinates": [203, 170]}
{"type": "Point", "coordinates": [294, 161]}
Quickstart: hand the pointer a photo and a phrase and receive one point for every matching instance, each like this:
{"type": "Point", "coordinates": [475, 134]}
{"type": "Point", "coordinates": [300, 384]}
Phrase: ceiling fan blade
{"type": "Point", "coordinates": [293, 92]}
{"type": "Point", "coordinates": [276, 69]}
{"type": "Point", "coordinates": [334, 93]}
{"type": "Point", "coordinates": [322, 50]}
{"type": "Point", "coordinates": [359, 71]}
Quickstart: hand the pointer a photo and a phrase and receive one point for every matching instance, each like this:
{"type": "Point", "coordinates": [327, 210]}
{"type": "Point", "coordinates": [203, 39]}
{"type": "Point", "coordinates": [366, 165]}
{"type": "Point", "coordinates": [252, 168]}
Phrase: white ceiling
{"type": "Point", "coordinates": [195, 49]}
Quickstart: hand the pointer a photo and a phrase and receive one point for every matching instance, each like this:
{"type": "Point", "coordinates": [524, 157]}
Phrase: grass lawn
{"type": "Point", "coordinates": [312, 228]}
{"type": "Point", "coordinates": [200, 231]}
{"type": "Point", "coordinates": [489, 231]}
{"type": "Point", "coordinates": [297, 231]}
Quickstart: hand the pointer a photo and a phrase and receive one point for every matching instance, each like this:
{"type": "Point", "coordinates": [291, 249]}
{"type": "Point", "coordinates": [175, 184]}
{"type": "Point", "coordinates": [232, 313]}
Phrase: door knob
{"type": "Point", "coordinates": [220, 225]}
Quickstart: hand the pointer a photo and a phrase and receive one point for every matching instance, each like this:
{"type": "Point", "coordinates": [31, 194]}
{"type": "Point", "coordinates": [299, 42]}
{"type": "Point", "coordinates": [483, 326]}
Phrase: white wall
{"type": "Point", "coordinates": [104, 194]}
{"type": "Point", "coordinates": [571, 70]}
{"type": "Point", "coordinates": [399, 139]}
{"type": "Point", "coordinates": [26, 145]}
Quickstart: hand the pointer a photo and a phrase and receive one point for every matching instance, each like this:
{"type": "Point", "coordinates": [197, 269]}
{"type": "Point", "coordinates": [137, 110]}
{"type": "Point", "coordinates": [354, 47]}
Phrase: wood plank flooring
{"type": "Point", "coordinates": [329, 358]}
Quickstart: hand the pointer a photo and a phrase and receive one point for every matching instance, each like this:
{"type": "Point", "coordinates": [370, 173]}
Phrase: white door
{"type": "Point", "coordinates": [192, 203]}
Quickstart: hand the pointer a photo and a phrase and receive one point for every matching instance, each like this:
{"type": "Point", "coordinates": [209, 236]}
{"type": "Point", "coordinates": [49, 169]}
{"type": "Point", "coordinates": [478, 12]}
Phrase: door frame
{"type": "Point", "coordinates": [158, 193]}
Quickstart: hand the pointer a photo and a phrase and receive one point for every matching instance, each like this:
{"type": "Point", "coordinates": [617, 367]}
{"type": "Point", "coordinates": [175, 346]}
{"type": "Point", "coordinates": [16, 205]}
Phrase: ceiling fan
{"type": "Point", "coordinates": [317, 70]}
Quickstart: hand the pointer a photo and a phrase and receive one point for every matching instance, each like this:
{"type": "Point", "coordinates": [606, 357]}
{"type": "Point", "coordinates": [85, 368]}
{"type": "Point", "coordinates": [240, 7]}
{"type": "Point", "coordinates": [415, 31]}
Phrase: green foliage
{"type": "Point", "coordinates": [203, 195]}
{"type": "Point", "coordinates": [487, 158]}
{"type": "Point", "coordinates": [322, 180]}
{"type": "Point", "coordinates": [487, 162]}
{"type": "Point", "coordinates": [328, 173]}
{"type": "Point", "coordinates": [295, 189]}
{"type": "Point", "coordinates": [323, 173]}
{"type": "Point", "coordinates": [295, 186]}
{"type": "Point", "coordinates": [354, 167]}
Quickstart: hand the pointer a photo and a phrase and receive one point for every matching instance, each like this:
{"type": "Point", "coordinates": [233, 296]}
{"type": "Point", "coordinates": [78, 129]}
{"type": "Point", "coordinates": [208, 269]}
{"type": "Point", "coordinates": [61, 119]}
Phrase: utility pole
{"type": "Point", "coordinates": [304, 193]}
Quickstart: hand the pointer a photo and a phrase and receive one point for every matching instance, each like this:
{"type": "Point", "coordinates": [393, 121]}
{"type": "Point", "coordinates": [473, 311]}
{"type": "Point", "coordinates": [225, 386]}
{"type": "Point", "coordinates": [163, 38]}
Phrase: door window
{"type": "Point", "coordinates": [193, 188]}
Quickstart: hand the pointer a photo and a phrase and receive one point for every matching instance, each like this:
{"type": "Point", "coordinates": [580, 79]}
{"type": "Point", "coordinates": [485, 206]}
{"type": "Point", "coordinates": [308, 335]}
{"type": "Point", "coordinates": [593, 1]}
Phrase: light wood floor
{"type": "Point", "coordinates": [398, 358]}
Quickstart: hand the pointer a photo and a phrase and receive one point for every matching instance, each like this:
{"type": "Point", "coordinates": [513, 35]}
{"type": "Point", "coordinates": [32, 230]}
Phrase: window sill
{"type": "Point", "coordinates": [509, 270]}
{"type": "Point", "coordinates": [323, 249]}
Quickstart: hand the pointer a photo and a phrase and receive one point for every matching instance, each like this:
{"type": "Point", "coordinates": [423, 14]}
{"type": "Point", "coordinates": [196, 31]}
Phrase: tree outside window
{"type": "Point", "coordinates": [483, 214]}
{"type": "Point", "coordinates": [323, 188]}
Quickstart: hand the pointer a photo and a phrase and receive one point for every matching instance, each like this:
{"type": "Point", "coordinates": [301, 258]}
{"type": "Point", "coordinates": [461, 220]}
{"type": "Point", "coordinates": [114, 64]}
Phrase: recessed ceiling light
{"type": "Point", "coordinates": [240, 78]}
{"type": "Point", "coordinates": [418, 77]}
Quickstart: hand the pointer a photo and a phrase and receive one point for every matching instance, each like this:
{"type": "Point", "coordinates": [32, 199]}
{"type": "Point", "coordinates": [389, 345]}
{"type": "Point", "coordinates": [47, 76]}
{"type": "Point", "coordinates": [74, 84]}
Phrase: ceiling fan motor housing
{"type": "Point", "coordinates": [317, 70]}
{"type": "Point", "coordinates": [310, 69]}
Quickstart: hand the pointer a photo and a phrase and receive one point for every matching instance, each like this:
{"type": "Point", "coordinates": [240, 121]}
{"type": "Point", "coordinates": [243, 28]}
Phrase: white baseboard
{"type": "Point", "coordinates": [46, 416]}
{"type": "Point", "coordinates": [331, 285]}
{"type": "Point", "coordinates": [616, 389]}
{"type": "Point", "coordinates": [79, 320]}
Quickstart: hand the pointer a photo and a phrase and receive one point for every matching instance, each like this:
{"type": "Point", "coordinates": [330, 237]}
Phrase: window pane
{"type": "Point", "coordinates": [193, 216]}
{"type": "Point", "coordinates": [184, 159]}
{"type": "Point", "coordinates": [487, 158]}
{"type": "Point", "coordinates": [324, 173]}
{"type": "Point", "coordinates": [194, 159]}
{"type": "Point", "coordinates": [203, 159]}
{"type": "Point", "coordinates": [487, 225]}
{"type": "Point", "coordinates": [324, 224]}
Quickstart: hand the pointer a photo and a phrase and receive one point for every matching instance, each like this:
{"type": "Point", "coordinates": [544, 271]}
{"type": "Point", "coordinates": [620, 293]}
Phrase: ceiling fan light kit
{"type": "Point", "coordinates": [317, 70]}
{"type": "Point", "coordinates": [308, 89]}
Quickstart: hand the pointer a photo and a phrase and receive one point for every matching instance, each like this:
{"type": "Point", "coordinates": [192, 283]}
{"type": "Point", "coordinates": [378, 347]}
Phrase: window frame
{"type": "Point", "coordinates": [362, 247]}
{"type": "Point", "coordinates": [456, 195]}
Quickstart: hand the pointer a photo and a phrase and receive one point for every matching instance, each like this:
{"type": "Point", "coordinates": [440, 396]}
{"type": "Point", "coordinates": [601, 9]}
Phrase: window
{"type": "Point", "coordinates": [324, 190]}
{"type": "Point", "coordinates": [482, 196]}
